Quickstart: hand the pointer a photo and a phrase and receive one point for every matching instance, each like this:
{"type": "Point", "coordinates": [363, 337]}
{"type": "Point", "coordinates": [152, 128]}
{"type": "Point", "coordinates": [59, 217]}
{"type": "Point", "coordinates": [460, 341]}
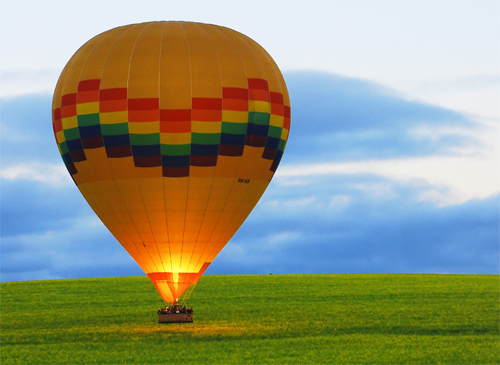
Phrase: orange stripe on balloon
{"type": "Point", "coordinates": [236, 105]}
{"type": "Point", "coordinates": [176, 115]}
{"type": "Point", "coordinates": [58, 125]}
{"type": "Point", "coordinates": [175, 127]}
{"type": "Point", "coordinates": [87, 96]}
{"type": "Point", "coordinates": [137, 116]}
{"type": "Point", "coordinates": [278, 109]}
{"type": "Point", "coordinates": [109, 106]}
{"type": "Point", "coordinates": [68, 111]}
{"type": "Point", "coordinates": [258, 94]}
{"type": "Point", "coordinates": [207, 115]}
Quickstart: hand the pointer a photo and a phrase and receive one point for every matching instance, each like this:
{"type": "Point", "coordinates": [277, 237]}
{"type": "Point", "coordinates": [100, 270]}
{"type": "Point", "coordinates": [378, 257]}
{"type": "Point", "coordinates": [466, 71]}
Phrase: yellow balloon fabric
{"type": "Point", "coordinates": [172, 131]}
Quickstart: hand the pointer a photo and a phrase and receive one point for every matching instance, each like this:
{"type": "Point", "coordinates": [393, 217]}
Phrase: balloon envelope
{"type": "Point", "coordinates": [171, 131]}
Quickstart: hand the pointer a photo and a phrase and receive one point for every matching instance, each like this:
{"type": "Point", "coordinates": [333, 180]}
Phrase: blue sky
{"type": "Point", "coordinates": [393, 160]}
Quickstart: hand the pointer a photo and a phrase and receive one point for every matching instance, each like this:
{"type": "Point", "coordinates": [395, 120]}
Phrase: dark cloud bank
{"type": "Point", "coordinates": [329, 225]}
{"type": "Point", "coordinates": [368, 235]}
{"type": "Point", "coordinates": [338, 118]}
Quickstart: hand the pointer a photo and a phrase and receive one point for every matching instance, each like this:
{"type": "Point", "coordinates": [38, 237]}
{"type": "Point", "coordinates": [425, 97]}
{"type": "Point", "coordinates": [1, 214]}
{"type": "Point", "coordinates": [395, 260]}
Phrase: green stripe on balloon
{"type": "Point", "coordinates": [145, 139]}
{"type": "Point", "coordinates": [205, 138]}
{"type": "Point", "coordinates": [175, 150]}
{"type": "Point", "coordinates": [71, 134]}
{"type": "Point", "coordinates": [114, 129]}
{"type": "Point", "coordinates": [234, 128]}
{"type": "Point", "coordinates": [88, 120]}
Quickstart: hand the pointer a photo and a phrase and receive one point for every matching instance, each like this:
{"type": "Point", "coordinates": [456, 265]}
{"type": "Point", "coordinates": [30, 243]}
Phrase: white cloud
{"type": "Point", "coordinates": [280, 239]}
{"type": "Point", "coordinates": [451, 180]}
{"type": "Point", "coordinates": [467, 172]}
{"type": "Point", "coordinates": [21, 82]}
{"type": "Point", "coordinates": [476, 94]}
{"type": "Point", "coordinates": [291, 203]}
{"type": "Point", "coordinates": [338, 202]}
{"type": "Point", "coordinates": [376, 190]}
{"type": "Point", "coordinates": [55, 174]}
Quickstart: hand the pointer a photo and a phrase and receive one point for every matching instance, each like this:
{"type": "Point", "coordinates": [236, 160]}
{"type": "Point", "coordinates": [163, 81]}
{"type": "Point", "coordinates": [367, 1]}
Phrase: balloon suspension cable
{"type": "Point", "coordinates": [184, 297]}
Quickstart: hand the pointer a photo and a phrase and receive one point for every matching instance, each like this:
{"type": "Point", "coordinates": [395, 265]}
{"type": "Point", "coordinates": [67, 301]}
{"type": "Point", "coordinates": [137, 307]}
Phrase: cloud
{"type": "Point", "coordinates": [475, 94]}
{"type": "Point", "coordinates": [349, 126]}
{"type": "Point", "coordinates": [448, 179]}
{"type": "Point", "coordinates": [27, 137]}
{"type": "Point", "coordinates": [19, 83]}
{"type": "Point", "coordinates": [82, 248]}
{"type": "Point", "coordinates": [364, 232]}
{"type": "Point", "coordinates": [28, 206]}
{"type": "Point", "coordinates": [370, 182]}
{"type": "Point", "coordinates": [338, 118]}
{"type": "Point", "coordinates": [49, 173]}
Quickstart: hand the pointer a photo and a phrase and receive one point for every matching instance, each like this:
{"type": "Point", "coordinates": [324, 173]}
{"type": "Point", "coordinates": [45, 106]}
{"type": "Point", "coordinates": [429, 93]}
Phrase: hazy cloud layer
{"type": "Point", "coordinates": [338, 118]}
{"type": "Point", "coordinates": [346, 220]}
{"type": "Point", "coordinates": [363, 224]}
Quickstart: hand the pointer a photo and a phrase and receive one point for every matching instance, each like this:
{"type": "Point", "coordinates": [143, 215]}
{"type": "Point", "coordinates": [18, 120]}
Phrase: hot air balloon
{"type": "Point", "coordinates": [171, 131]}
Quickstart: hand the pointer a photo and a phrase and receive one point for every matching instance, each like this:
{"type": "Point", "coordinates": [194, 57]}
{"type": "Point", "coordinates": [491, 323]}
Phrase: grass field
{"type": "Point", "coordinates": [284, 319]}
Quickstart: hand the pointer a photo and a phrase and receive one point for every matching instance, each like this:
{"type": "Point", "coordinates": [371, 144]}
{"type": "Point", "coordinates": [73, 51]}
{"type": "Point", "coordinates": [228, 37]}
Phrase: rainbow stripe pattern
{"type": "Point", "coordinates": [93, 118]}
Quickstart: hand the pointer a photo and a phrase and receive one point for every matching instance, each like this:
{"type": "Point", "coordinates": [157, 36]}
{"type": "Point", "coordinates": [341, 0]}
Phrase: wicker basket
{"type": "Point", "coordinates": [175, 317]}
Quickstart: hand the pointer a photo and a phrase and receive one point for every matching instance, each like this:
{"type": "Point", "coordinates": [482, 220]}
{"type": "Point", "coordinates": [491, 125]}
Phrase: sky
{"type": "Point", "coordinates": [393, 160]}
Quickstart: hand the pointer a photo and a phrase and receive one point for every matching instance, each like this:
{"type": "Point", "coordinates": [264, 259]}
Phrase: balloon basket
{"type": "Point", "coordinates": [175, 317]}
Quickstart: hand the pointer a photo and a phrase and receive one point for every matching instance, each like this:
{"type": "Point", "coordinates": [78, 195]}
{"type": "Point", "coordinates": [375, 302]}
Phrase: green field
{"type": "Point", "coordinates": [283, 319]}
